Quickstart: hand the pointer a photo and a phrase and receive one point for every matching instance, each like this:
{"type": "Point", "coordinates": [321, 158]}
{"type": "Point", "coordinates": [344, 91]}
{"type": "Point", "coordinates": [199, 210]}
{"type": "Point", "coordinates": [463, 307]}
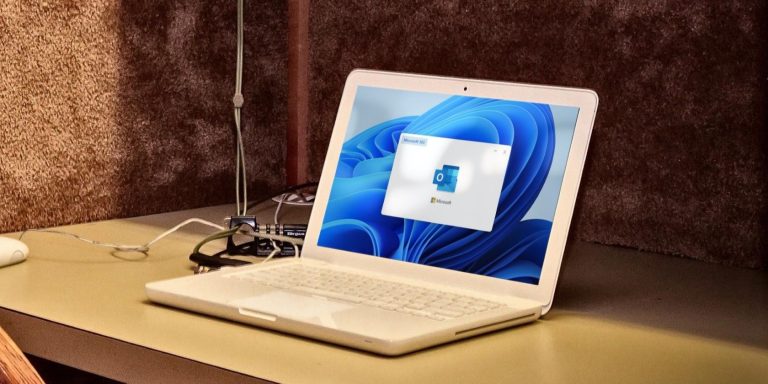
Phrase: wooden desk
{"type": "Point", "coordinates": [78, 305]}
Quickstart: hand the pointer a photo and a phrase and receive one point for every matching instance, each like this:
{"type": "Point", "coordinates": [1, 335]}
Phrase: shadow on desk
{"type": "Point", "coordinates": [666, 292]}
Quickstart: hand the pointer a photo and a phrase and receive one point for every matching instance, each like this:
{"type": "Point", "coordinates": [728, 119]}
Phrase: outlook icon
{"type": "Point", "coordinates": [446, 178]}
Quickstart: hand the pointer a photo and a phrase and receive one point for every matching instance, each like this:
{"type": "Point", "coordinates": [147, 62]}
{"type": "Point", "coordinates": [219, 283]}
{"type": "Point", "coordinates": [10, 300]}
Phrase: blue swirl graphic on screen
{"type": "Point", "coordinates": [513, 250]}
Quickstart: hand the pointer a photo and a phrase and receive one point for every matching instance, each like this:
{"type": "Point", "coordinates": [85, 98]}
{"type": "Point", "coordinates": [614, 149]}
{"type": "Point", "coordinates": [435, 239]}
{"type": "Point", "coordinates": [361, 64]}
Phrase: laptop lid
{"type": "Point", "coordinates": [470, 183]}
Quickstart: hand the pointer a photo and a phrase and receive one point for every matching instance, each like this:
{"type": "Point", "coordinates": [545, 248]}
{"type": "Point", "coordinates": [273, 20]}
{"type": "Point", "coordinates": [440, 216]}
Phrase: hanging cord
{"type": "Point", "coordinates": [238, 100]}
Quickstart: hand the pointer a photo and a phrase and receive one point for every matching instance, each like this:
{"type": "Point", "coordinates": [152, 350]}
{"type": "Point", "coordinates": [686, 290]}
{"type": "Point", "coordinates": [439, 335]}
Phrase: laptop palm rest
{"type": "Point", "coordinates": [288, 305]}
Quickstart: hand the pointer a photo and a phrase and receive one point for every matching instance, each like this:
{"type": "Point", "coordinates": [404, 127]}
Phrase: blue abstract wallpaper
{"type": "Point", "coordinates": [513, 250]}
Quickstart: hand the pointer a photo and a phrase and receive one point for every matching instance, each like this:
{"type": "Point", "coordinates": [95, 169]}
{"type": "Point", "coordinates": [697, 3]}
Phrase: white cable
{"type": "Point", "coordinates": [238, 102]}
{"type": "Point", "coordinates": [275, 251]}
{"type": "Point", "coordinates": [294, 241]}
{"type": "Point", "coordinates": [237, 167]}
{"type": "Point", "coordinates": [128, 247]}
{"type": "Point", "coordinates": [240, 161]}
{"type": "Point", "coordinates": [279, 205]}
{"type": "Point", "coordinates": [183, 223]}
{"type": "Point", "coordinates": [239, 74]}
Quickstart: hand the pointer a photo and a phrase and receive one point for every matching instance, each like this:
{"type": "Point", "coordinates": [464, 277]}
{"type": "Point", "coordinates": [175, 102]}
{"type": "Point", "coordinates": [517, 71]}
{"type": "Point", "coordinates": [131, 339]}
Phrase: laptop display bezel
{"type": "Point", "coordinates": [584, 99]}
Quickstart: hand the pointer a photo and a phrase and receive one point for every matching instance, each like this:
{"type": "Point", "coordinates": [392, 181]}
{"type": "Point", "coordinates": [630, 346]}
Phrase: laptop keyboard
{"type": "Point", "coordinates": [367, 290]}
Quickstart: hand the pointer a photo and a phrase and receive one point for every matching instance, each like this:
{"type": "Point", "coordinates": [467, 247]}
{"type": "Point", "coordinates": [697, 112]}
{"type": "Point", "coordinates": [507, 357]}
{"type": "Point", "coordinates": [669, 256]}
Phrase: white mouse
{"type": "Point", "coordinates": [12, 251]}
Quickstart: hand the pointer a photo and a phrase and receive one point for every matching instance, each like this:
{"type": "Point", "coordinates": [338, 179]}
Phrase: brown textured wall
{"type": "Point", "coordinates": [678, 159]}
{"type": "Point", "coordinates": [120, 108]}
{"type": "Point", "coordinates": [117, 108]}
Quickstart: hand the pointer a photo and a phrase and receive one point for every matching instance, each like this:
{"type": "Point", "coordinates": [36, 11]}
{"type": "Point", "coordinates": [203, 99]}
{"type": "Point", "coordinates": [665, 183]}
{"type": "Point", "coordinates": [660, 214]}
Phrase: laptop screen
{"type": "Point", "coordinates": [464, 183]}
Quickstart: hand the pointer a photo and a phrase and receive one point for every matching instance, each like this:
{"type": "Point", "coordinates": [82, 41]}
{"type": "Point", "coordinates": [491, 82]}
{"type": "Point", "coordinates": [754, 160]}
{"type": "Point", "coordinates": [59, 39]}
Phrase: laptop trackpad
{"type": "Point", "coordinates": [293, 306]}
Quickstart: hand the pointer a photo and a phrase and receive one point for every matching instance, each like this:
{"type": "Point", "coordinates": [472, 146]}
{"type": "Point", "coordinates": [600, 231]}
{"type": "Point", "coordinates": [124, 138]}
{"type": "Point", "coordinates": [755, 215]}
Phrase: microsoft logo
{"type": "Point", "coordinates": [446, 178]}
{"type": "Point", "coordinates": [436, 200]}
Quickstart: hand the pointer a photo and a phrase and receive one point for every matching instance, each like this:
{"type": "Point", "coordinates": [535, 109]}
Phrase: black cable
{"type": "Point", "coordinates": [214, 262]}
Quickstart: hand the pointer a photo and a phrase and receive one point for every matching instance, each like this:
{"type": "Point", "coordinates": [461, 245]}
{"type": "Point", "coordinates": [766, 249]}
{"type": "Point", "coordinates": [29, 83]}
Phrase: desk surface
{"type": "Point", "coordinates": [77, 304]}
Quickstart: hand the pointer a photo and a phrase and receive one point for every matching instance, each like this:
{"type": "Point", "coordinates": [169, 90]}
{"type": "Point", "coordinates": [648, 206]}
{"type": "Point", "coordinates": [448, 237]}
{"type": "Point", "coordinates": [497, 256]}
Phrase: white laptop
{"type": "Point", "coordinates": [442, 213]}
